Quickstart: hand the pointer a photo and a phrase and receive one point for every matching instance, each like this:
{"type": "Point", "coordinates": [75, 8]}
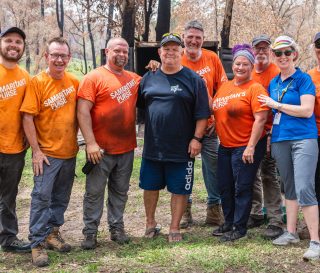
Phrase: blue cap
{"type": "Point", "coordinates": [13, 30]}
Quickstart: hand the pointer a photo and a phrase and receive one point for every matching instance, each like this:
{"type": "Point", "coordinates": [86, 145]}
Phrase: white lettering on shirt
{"type": "Point", "coordinates": [60, 99]}
{"type": "Point", "coordinates": [9, 90]}
{"type": "Point", "coordinates": [223, 101]}
{"type": "Point", "coordinates": [124, 92]}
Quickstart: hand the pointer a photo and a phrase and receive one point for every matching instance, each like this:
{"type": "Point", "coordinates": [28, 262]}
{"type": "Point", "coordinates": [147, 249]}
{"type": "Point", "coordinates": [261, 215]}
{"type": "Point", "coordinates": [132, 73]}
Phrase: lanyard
{"type": "Point", "coordinates": [280, 97]}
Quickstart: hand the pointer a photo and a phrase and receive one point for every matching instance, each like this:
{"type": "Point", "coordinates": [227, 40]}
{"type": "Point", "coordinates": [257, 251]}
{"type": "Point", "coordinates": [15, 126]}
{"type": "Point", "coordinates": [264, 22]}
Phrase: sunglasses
{"type": "Point", "coordinates": [279, 53]}
{"type": "Point", "coordinates": [173, 34]}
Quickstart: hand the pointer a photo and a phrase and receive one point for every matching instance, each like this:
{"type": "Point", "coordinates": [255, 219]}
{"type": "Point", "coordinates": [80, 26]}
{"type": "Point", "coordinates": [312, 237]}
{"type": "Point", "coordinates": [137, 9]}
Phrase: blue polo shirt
{"type": "Point", "coordinates": [173, 103]}
{"type": "Point", "coordinates": [290, 127]}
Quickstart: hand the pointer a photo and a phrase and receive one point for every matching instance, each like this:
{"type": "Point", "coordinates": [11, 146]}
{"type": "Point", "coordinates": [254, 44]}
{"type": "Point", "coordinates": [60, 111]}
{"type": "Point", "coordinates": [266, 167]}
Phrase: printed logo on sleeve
{"type": "Point", "coordinates": [60, 99]}
{"type": "Point", "coordinates": [124, 92]}
{"type": "Point", "coordinates": [223, 101]}
{"type": "Point", "coordinates": [10, 90]}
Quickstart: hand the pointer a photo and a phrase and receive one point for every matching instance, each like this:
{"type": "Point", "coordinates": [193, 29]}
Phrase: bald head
{"type": "Point", "coordinates": [117, 41]}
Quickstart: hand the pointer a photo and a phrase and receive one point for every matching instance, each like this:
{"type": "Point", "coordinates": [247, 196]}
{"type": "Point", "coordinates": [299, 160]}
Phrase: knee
{"type": "Point", "coordinates": [306, 196]}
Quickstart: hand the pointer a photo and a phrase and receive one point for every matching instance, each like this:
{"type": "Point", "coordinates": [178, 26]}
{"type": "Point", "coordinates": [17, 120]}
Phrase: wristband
{"type": "Point", "coordinates": [198, 139]}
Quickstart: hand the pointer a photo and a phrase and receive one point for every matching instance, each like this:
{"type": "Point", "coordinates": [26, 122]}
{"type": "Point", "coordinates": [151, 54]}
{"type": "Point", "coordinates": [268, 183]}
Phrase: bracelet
{"type": "Point", "coordinates": [198, 139]}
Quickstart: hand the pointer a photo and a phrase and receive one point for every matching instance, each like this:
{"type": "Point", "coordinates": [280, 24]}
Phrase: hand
{"type": "Point", "coordinates": [153, 65]}
{"type": "Point", "coordinates": [194, 148]}
{"type": "Point", "coordinates": [37, 162]}
{"type": "Point", "coordinates": [267, 101]}
{"type": "Point", "coordinates": [247, 156]}
{"type": "Point", "coordinates": [93, 152]}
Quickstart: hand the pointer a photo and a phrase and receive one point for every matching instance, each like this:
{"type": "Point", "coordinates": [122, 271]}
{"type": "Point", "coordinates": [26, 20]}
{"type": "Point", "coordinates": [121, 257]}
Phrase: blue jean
{"type": "Point", "coordinates": [50, 198]}
{"type": "Point", "coordinates": [209, 158]}
{"type": "Point", "coordinates": [235, 180]}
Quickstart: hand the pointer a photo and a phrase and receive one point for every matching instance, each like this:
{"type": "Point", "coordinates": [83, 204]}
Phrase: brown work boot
{"type": "Point", "coordinates": [186, 220]}
{"type": "Point", "coordinates": [214, 215]}
{"type": "Point", "coordinates": [55, 241]}
{"type": "Point", "coordinates": [39, 256]}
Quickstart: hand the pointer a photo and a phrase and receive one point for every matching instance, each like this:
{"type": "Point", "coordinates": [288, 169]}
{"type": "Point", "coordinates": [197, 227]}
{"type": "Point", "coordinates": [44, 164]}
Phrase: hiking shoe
{"type": "Point", "coordinates": [17, 246]}
{"type": "Point", "coordinates": [89, 241]}
{"type": "Point", "coordinates": [221, 230]}
{"type": "Point", "coordinates": [186, 220]}
{"type": "Point", "coordinates": [39, 256]}
{"type": "Point", "coordinates": [287, 238]}
{"type": "Point", "coordinates": [254, 222]}
{"type": "Point", "coordinates": [119, 236]}
{"type": "Point", "coordinates": [272, 232]}
{"type": "Point", "coordinates": [313, 252]}
{"type": "Point", "coordinates": [214, 215]}
{"type": "Point", "coordinates": [55, 241]}
{"type": "Point", "coordinates": [232, 236]}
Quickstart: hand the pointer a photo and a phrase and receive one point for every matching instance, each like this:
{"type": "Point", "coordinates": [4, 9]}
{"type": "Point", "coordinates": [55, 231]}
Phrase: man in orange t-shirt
{"type": "Point", "coordinates": [208, 65]}
{"type": "Point", "coordinates": [49, 120]}
{"type": "Point", "coordinates": [13, 82]}
{"type": "Point", "coordinates": [315, 75]}
{"type": "Point", "coordinates": [106, 115]}
{"type": "Point", "coordinates": [264, 71]}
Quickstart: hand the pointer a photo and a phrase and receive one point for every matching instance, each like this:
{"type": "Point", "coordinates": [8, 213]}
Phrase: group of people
{"type": "Point", "coordinates": [191, 108]}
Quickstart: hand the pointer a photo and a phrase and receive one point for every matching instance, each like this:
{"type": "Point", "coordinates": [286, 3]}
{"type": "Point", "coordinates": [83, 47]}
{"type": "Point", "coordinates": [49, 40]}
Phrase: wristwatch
{"type": "Point", "coordinates": [198, 139]}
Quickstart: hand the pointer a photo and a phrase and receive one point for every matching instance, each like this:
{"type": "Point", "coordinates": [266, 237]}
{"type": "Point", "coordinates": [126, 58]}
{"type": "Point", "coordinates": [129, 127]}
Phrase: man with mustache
{"type": "Point", "coordinates": [264, 71]}
{"type": "Point", "coordinates": [13, 82]}
{"type": "Point", "coordinates": [106, 115]}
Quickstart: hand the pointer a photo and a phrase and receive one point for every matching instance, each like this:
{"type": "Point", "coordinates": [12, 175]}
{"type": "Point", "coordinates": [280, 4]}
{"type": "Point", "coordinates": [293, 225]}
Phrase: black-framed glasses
{"type": "Point", "coordinates": [264, 49]}
{"type": "Point", "coordinates": [56, 56]}
{"type": "Point", "coordinates": [279, 53]}
{"type": "Point", "coordinates": [171, 33]}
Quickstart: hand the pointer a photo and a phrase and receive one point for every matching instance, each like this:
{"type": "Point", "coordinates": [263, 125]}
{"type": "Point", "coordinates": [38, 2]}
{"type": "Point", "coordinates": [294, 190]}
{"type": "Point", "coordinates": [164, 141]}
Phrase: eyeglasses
{"type": "Point", "coordinates": [55, 56]}
{"type": "Point", "coordinates": [261, 48]}
{"type": "Point", "coordinates": [279, 53]}
{"type": "Point", "coordinates": [173, 34]}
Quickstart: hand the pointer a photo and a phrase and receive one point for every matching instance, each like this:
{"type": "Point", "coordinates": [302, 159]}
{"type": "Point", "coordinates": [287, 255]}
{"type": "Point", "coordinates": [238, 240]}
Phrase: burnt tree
{"type": "Point", "coordinates": [163, 19]}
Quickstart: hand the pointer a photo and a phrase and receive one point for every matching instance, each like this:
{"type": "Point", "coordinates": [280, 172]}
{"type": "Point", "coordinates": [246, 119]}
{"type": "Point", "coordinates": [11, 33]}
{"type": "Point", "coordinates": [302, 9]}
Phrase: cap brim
{"type": "Point", "coordinates": [254, 43]}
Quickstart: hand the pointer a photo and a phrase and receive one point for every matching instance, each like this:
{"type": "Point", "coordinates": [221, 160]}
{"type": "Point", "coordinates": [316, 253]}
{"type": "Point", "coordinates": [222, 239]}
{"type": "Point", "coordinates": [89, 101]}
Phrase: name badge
{"type": "Point", "coordinates": [277, 117]}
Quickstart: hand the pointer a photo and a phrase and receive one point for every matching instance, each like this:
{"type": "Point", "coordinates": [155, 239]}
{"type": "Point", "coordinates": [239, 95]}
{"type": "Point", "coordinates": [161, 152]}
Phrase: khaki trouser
{"type": "Point", "coordinates": [267, 179]}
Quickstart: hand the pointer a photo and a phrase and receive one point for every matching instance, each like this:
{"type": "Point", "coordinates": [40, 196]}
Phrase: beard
{"type": "Point", "coordinates": [262, 59]}
{"type": "Point", "coordinates": [5, 55]}
{"type": "Point", "coordinates": [120, 61]}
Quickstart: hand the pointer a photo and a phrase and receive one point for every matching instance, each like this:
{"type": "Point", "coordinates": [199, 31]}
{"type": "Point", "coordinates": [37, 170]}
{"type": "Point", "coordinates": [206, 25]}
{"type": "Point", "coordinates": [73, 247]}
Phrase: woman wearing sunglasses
{"type": "Point", "coordinates": [294, 142]}
{"type": "Point", "coordinates": [240, 121]}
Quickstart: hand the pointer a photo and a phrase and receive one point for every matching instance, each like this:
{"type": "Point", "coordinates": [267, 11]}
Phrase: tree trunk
{"type": "Point", "coordinates": [226, 28]}
{"type": "Point", "coordinates": [93, 52]}
{"type": "Point", "coordinates": [128, 21]}
{"type": "Point", "coordinates": [42, 8]}
{"type": "Point", "coordinates": [163, 20]}
{"type": "Point", "coordinates": [148, 8]}
{"type": "Point", "coordinates": [109, 21]}
{"type": "Point", "coordinates": [60, 16]}
{"type": "Point", "coordinates": [28, 59]}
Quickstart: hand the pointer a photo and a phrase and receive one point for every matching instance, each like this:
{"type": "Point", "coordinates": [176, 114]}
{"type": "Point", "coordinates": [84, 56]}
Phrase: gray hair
{"type": "Point", "coordinates": [194, 24]}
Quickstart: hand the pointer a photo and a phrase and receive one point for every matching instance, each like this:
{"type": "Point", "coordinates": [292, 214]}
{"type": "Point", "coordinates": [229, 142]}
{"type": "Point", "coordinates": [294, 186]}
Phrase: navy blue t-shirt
{"type": "Point", "coordinates": [173, 103]}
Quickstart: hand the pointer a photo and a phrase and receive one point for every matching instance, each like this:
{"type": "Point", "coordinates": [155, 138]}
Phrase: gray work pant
{"type": "Point", "coordinates": [114, 171]}
{"type": "Point", "coordinates": [11, 166]}
{"type": "Point", "coordinates": [267, 179]}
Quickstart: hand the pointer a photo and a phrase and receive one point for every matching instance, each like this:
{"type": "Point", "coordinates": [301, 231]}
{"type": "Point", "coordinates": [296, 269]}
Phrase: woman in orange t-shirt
{"type": "Point", "coordinates": [240, 120]}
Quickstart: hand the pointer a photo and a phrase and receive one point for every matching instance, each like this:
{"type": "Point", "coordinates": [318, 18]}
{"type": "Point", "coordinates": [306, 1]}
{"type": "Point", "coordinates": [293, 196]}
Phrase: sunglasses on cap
{"type": "Point", "coordinates": [279, 53]}
{"type": "Point", "coordinates": [173, 34]}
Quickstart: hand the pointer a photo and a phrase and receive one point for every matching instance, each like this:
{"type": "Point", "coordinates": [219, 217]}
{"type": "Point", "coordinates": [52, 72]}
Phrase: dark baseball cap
{"type": "Point", "coordinates": [170, 37]}
{"type": "Point", "coordinates": [261, 38]}
{"type": "Point", "coordinates": [13, 30]}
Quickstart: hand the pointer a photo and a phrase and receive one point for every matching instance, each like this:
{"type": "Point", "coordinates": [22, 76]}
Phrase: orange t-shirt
{"type": "Point", "coordinates": [233, 108]}
{"type": "Point", "coordinates": [53, 105]}
{"type": "Point", "coordinates": [210, 68]}
{"type": "Point", "coordinates": [13, 84]}
{"type": "Point", "coordinates": [315, 76]}
{"type": "Point", "coordinates": [114, 108]}
{"type": "Point", "coordinates": [265, 78]}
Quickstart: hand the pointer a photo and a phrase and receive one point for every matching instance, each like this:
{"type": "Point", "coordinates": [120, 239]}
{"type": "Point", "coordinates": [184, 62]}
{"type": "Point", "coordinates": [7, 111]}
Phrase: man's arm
{"type": "Point", "coordinates": [85, 123]}
{"type": "Point", "coordinates": [37, 155]}
{"type": "Point", "coordinates": [195, 145]}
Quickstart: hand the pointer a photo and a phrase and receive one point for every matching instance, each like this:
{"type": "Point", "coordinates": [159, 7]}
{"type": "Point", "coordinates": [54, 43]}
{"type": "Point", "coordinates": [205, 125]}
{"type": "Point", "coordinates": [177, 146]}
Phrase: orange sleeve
{"type": "Point", "coordinates": [32, 99]}
{"type": "Point", "coordinates": [87, 90]}
{"type": "Point", "coordinates": [256, 90]}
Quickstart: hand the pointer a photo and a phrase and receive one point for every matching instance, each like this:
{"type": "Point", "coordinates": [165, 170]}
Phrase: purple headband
{"type": "Point", "coordinates": [243, 50]}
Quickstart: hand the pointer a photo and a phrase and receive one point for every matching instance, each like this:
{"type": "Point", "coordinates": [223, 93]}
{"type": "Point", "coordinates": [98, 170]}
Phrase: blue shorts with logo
{"type": "Point", "coordinates": [176, 176]}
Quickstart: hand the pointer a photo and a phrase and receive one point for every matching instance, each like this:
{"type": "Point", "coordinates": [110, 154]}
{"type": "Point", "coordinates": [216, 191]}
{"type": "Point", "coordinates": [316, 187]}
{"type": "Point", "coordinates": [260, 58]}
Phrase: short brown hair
{"type": "Point", "coordinates": [58, 40]}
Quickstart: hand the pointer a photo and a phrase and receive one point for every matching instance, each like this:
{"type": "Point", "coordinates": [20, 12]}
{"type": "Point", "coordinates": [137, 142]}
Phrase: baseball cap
{"type": "Point", "coordinates": [316, 40]}
{"type": "Point", "coordinates": [261, 38]}
{"type": "Point", "coordinates": [284, 41]}
{"type": "Point", "coordinates": [13, 30]}
{"type": "Point", "coordinates": [170, 37]}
